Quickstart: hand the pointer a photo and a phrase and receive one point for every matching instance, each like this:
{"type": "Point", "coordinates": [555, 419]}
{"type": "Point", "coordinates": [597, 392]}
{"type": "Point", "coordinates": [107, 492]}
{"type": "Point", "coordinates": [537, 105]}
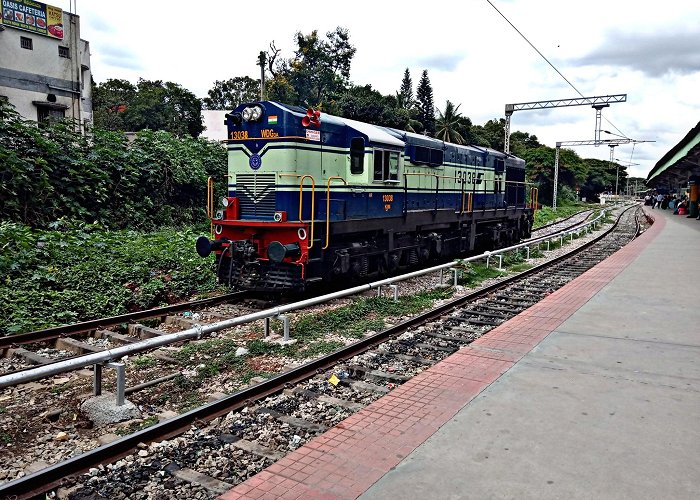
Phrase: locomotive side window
{"type": "Point", "coordinates": [357, 155]}
{"type": "Point", "coordinates": [393, 173]}
{"type": "Point", "coordinates": [422, 155]}
{"type": "Point", "coordinates": [386, 165]}
{"type": "Point", "coordinates": [499, 165]}
{"type": "Point", "coordinates": [428, 156]}
{"type": "Point", "coordinates": [436, 157]}
{"type": "Point", "coordinates": [378, 165]}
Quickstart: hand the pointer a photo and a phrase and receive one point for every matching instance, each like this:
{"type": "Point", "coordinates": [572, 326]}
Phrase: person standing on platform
{"type": "Point", "coordinates": [659, 199]}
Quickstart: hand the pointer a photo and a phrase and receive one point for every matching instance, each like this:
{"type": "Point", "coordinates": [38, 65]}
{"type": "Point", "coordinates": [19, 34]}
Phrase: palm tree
{"type": "Point", "coordinates": [448, 123]}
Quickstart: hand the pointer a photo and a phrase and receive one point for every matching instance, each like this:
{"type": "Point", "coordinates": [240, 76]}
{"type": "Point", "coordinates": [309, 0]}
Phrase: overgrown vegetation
{"type": "Point", "coordinates": [52, 172]}
{"type": "Point", "coordinates": [472, 274]}
{"type": "Point", "coordinates": [82, 271]}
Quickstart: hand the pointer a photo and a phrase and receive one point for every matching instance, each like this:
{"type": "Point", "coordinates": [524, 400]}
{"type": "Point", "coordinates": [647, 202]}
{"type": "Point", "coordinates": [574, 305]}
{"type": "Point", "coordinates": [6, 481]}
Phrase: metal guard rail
{"type": "Point", "coordinates": [198, 331]}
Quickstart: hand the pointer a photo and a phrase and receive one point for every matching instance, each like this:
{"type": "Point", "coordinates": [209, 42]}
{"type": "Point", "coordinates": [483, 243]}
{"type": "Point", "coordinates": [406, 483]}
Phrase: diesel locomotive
{"type": "Point", "coordinates": [314, 198]}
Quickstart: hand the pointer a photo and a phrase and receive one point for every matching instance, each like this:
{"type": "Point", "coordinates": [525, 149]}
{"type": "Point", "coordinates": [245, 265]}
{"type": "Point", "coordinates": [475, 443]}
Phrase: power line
{"type": "Point", "coordinates": [535, 48]}
{"type": "Point", "coordinates": [547, 60]}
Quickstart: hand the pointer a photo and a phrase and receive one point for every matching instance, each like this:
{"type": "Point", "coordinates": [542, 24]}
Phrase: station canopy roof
{"type": "Point", "coordinates": [680, 164]}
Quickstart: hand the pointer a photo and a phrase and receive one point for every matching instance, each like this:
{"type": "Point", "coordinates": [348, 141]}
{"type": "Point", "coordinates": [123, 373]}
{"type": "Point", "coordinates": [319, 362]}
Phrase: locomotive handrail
{"type": "Point", "coordinates": [468, 197]}
{"type": "Point", "coordinates": [313, 204]}
{"type": "Point", "coordinates": [328, 207]}
{"type": "Point", "coordinates": [534, 197]}
{"type": "Point", "coordinates": [210, 205]}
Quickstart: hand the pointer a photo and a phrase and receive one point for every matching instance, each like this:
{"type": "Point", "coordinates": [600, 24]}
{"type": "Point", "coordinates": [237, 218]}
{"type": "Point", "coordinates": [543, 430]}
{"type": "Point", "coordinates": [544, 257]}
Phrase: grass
{"type": "Point", "coordinates": [519, 268]}
{"type": "Point", "coordinates": [213, 357]}
{"type": "Point", "coordinates": [148, 422]}
{"type": "Point", "coordinates": [546, 215]}
{"type": "Point", "coordinates": [473, 274]}
{"type": "Point", "coordinates": [191, 401]}
{"type": "Point", "coordinates": [144, 361]}
{"type": "Point", "coordinates": [364, 314]}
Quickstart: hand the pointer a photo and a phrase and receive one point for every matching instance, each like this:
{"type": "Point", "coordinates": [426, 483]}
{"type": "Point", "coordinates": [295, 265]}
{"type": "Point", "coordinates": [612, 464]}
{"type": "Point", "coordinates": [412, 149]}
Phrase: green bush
{"type": "Point", "coordinates": [53, 172]}
{"type": "Point", "coordinates": [83, 271]}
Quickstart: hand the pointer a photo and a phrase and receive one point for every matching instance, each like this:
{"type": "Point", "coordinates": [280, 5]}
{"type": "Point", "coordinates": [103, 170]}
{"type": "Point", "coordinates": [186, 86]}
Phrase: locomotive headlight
{"type": "Point", "coordinates": [252, 113]}
{"type": "Point", "coordinates": [224, 202]}
{"type": "Point", "coordinates": [256, 113]}
{"type": "Point", "coordinates": [280, 217]}
{"type": "Point", "coordinates": [219, 215]}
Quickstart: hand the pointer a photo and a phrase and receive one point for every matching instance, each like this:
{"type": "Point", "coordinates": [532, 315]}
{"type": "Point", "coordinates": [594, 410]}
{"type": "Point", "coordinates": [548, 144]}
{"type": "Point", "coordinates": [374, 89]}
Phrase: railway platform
{"type": "Point", "coordinates": [594, 392]}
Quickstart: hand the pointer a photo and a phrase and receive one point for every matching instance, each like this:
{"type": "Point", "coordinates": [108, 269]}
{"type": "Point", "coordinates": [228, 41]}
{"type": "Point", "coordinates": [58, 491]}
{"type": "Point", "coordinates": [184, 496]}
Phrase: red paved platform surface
{"type": "Point", "coordinates": [345, 461]}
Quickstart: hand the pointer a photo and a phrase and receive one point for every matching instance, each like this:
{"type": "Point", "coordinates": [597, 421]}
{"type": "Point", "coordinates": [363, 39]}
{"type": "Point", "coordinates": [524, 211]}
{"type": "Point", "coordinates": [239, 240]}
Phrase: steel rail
{"type": "Point", "coordinates": [94, 324]}
{"type": "Point", "coordinates": [52, 476]}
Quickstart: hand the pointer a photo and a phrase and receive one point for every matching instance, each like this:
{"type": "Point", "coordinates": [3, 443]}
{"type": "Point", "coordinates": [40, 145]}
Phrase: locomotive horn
{"type": "Point", "coordinates": [276, 251]}
{"type": "Point", "coordinates": [306, 121]}
{"type": "Point", "coordinates": [205, 246]}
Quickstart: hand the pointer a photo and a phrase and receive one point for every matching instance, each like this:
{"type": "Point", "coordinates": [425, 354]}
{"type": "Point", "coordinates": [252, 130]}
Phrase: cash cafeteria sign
{"type": "Point", "coordinates": [31, 16]}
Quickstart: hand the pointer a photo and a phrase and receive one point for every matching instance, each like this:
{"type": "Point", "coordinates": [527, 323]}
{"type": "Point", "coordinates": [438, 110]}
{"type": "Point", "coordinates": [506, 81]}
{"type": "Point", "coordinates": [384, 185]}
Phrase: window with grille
{"type": "Point", "coordinates": [64, 52]}
{"type": "Point", "coordinates": [45, 114]}
{"type": "Point", "coordinates": [26, 43]}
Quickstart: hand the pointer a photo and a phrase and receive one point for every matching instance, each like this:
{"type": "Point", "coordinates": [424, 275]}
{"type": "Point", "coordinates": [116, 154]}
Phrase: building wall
{"type": "Point", "coordinates": [35, 76]}
{"type": "Point", "coordinates": [215, 129]}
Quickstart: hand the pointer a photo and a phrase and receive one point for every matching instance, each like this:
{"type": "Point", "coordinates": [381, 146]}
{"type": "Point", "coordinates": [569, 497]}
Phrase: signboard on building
{"type": "Point", "coordinates": [31, 16]}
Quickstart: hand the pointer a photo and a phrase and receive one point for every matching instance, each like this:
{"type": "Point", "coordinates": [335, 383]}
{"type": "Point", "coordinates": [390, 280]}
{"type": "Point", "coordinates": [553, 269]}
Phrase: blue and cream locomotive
{"type": "Point", "coordinates": [314, 197]}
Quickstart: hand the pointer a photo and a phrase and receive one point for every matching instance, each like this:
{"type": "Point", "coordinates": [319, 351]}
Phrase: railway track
{"type": "Point", "coordinates": [91, 326]}
{"type": "Point", "coordinates": [562, 224]}
{"type": "Point", "coordinates": [256, 434]}
{"type": "Point", "coordinates": [22, 352]}
{"type": "Point", "coordinates": [51, 345]}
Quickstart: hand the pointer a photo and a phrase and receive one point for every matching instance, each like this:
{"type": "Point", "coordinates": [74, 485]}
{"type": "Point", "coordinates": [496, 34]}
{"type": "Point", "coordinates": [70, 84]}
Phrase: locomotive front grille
{"type": "Point", "coordinates": [256, 194]}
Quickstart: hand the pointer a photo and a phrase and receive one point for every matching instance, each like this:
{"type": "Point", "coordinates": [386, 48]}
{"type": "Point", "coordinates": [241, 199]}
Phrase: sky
{"type": "Point", "coordinates": [474, 57]}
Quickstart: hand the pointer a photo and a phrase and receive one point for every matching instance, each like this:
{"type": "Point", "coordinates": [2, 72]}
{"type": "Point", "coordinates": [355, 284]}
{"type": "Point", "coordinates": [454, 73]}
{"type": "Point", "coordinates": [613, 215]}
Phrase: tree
{"type": "Point", "coordinates": [109, 101]}
{"type": "Point", "coordinates": [227, 94]}
{"type": "Point", "coordinates": [425, 104]}
{"type": "Point", "coordinates": [448, 124]}
{"type": "Point", "coordinates": [120, 105]}
{"type": "Point", "coordinates": [601, 176]}
{"type": "Point", "coordinates": [365, 104]}
{"type": "Point", "coordinates": [165, 106]}
{"type": "Point", "coordinates": [405, 93]}
{"type": "Point", "coordinates": [320, 69]}
{"type": "Point", "coordinates": [522, 141]}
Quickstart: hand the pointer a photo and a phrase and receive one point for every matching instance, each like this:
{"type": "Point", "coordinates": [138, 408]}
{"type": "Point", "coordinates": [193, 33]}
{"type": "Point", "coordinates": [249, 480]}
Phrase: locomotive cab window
{"type": "Point", "coordinates": [386, 165]}
{"type": "Point", "coordinates": [357, 155]}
